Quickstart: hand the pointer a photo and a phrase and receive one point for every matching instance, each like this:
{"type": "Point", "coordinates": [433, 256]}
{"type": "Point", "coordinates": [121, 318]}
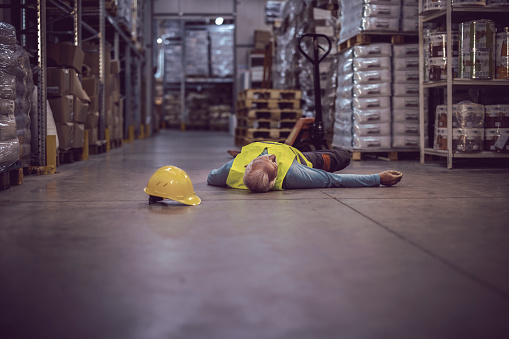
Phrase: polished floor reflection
{"type": "Point", "coordinates": [83, 254]}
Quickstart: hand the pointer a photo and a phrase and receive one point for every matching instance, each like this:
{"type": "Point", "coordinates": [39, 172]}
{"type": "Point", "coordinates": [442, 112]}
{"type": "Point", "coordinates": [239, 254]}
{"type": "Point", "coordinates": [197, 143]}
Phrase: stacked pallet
{"type": "Point", "coordinates": [266, 114]}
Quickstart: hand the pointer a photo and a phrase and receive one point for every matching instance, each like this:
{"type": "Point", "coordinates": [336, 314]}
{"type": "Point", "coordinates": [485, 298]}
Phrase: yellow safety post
{"type": "Point", "coordinates": [131, 133]}
{"type": "Point", "coordinates": [51, 157]}
{"type": "Point", "coordinates": [142, 132]}
{"type": "Point", "coordinates": [107, 137]}
{"type": "Point", "coordinates": [86, 151]}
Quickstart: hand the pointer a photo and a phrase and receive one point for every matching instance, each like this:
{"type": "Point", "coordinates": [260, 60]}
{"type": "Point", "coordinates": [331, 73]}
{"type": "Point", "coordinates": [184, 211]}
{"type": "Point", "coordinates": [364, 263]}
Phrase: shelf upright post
{"type": "Point", "coordinates": [76, 13]}
{"type": "Point", "coordinates": [102, 106]}
{"type": "Point", "coordinates": [449, 84]}
{"type": "Point", "coordinates": [41, 86]}
{"type": "Point", "coordinates": [234, 82]}
{"type": "Point", "coordinates": [128, 89]}
{"type": "Point", "coordinates": [183, 114]}
{"type": "Point", "coordinates": [137, 97]}
{"type": "Point", "coordinates": [421, 87]}
{"type": "Point", "coordinates": [149, 73]}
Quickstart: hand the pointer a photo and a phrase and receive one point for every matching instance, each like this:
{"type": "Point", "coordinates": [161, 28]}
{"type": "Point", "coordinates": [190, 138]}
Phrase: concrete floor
{"type": "Point", "coordinates": [83, 255]}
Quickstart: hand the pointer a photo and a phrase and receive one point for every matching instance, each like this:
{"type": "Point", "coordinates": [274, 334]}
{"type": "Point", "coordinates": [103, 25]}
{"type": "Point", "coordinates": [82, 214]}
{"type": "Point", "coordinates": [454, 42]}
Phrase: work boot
{"type": "Point", "coordinates": [390, 178]}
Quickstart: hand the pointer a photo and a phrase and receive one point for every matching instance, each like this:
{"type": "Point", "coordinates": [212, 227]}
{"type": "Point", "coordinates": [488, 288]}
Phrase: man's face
{"type": "Point", "coordinates": [267, 163]}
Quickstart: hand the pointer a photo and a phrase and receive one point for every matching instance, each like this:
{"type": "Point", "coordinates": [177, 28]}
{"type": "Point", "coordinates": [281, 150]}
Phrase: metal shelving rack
{"type": "Point", "coordinates": [449, 14]}
{"type": "Point", "coordinates": [126, 51]}
{"type": "Point", "coordinates": [29, 18]}
{"type": "Point", "coordinates": [188, 82]}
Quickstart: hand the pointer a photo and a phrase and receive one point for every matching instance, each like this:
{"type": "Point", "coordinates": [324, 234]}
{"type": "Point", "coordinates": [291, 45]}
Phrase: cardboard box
{"type": "Point", "coordinates": [261, 39]}
{"type": "Point", "coordinates": [90, 85]}
{"type": "Point", "coordinates": [115, 95]}
{"type": "Point", "coordinates": [57, 81]}
{"type": "Point", "coordinates": [93, 105]}
{"type": "Point", "coordinates": [108, 102]}
{"type": "Point", "coordinates": [79, 135]}
{"type": "Point", "coordinates": [91, 60]}
{"type": "Point", "coordinates": [93, 135]}
{"type": "Point", "coordinates": [80, 110]}
{"type": "Point", "coordinates": [116, 129]}
{"type": "Point", "coordinates": [86, 71]}
{"type": "Point", "coordinates": [262, 36]}
{"type": "Point", "coordinates": [120, 128]}
{"type": "Point", "coordinates": [65, 133]}
{"type": "Point", "coordinates": [115, 66]}
{"type": "Point", "coordinates": [75, 87]}
{"type": "Point", "coordinates": [62, 108]}
{"type": "Point", "coordinates": [92, 120]}
{"type": "Point", "coordinates": [109, 118]}
{"type": "Point", "coordinates": [66, 54]}
{"type": "Point", "coordinates": [121, 107]}
{"type": "Point", "coordinates": [115, 82]}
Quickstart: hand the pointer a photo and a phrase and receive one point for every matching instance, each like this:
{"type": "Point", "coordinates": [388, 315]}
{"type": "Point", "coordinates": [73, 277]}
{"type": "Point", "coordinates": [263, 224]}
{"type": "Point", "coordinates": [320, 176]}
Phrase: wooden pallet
{"type": "Point", "coordinates": [388, 155]}
{"type": "Point", "coordinates": [369, 38]}
{"type": "Point", "coordinates": [116, 143]}
{"type": "Point", "coordinates": [69, 156]}
{"type": "Point", "coordinates": [264, 134]}
{"type": "Point", "coordinates": [11, 176]}
{"type": "Point", "coordinates": [270, 114]}
{"type": "Point", "coordinates": [243, 141]}
{"type": "Point", "coordinates": [97, 148]}
{"type": "Point", "coordinates": [265, 123]}
{"type": "Point", "coordinates": [268, 104]}
{"type": "Point", "coordinates": [270, 94]}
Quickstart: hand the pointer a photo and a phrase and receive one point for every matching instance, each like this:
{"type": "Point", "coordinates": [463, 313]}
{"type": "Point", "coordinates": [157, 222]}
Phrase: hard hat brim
{"type": "Point", "coordinates": [191, 201]}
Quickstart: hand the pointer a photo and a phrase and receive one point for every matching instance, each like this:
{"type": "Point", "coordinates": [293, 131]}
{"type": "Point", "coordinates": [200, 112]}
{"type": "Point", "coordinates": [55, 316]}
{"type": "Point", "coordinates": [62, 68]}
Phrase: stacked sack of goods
{"type": "Point", "coordinates": [16, 87]}
{"type": "Point", "coordinates": [377, 16]}
{"type": "Point", "coordinates": [363, 107]}
{"type": "Point", "coordinates": [377, 103]}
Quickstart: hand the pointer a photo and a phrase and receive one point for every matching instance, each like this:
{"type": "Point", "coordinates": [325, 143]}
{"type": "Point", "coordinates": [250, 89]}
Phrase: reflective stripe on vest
{"type": "Point", "coordinates": [285, 155]}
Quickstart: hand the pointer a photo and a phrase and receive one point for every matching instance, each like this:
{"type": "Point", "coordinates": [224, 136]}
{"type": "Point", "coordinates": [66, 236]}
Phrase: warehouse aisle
{"type": "Point", "coordinates": [83, 255]}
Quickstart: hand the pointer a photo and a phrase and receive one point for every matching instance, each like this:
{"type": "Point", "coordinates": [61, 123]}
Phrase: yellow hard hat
{"type": "Point", "coordinates": [170, 182]}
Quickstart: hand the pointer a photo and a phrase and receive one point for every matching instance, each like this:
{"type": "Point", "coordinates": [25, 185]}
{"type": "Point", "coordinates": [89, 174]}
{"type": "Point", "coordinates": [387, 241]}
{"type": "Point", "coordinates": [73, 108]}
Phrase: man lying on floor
{"type": "Point", "coordinates": [264, 166]}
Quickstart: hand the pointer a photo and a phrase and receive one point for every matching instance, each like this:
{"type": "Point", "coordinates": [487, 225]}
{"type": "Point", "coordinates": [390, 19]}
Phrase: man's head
{"type": "Point", "coordinates": [260, 175]}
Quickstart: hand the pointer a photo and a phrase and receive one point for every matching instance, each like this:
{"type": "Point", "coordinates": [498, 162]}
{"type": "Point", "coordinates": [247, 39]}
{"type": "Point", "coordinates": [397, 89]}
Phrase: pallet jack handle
{"type": "Point", "coordinates": [318, 132]}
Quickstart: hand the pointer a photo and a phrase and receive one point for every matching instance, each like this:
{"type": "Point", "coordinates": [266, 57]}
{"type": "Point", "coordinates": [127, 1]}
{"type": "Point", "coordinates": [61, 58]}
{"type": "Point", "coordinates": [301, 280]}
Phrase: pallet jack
{"type": "Point", "coordinates": [309, 133]}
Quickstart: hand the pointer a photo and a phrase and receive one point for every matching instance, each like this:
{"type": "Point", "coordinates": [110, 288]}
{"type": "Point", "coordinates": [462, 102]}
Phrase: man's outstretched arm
{"type": "Point", "coordinates": [217, 177]}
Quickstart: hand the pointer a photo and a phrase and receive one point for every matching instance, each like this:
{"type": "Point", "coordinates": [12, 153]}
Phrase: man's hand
{"type": "Point", "coordinates": [390, 178]}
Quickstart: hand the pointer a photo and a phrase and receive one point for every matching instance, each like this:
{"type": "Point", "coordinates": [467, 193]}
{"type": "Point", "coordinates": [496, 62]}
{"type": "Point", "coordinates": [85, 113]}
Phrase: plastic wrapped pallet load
{"type": "Point", "coordinates": [369, 16]}
{"type": "Point", "coordinates": [16, 88]}
{"type": "Point", "coordinates": [221, 52]}
{"type": "Point", "coordinates": [197, 46]}
{"type": "Point", "coordinates": [502, 54]}
{"type": "Point", "coordinates": [477, 49]}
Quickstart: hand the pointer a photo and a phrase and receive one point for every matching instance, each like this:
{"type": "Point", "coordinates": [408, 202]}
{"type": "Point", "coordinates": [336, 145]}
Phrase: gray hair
{"type": "Point", "coordinates": [260, 176]}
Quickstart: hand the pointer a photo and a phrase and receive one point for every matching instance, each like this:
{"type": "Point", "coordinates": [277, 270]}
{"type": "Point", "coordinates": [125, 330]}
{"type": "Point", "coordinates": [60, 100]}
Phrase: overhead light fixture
{"type": "Point", "coordinates": [159, 40]}
{"type": "Point", "coordinates": [219, 21]}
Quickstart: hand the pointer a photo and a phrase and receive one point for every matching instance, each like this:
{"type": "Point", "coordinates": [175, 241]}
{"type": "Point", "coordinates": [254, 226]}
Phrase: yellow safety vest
{"type": "Point", "coordinates": [285, 155]}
